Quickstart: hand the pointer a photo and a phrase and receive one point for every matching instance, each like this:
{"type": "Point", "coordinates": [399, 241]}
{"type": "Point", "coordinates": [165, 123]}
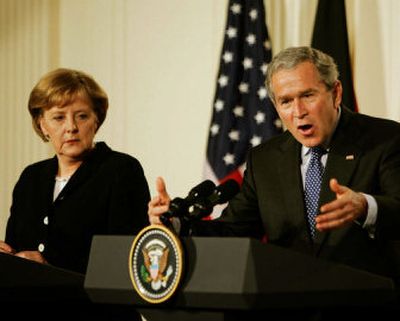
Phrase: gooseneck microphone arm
{"type": "Point", "coordinates": [204, 206]}
{"type": "Point", "coordinates": [178, 206]}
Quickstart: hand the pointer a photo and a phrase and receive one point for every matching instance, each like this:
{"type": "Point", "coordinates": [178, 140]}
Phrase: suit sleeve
{"type": "Point", "coordinates": [11, 233]}
{"type": "Point", "coordinates": [129, 199]}
{"type": "Point", "coordinates": [241, 217]}
{"type": "Point", "coordinates": [388, 199]}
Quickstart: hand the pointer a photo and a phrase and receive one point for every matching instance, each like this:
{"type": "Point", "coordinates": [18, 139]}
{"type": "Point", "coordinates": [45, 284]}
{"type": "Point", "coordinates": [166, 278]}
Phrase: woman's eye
{"type": "Point", "coordinates": [82, 116]}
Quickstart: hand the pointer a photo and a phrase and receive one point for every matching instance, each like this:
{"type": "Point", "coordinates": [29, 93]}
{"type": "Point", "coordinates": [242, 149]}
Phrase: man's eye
{"type": "Point", "coordinates": [285, 102]}
{"type": "Point", "coordinates": [309, 95]}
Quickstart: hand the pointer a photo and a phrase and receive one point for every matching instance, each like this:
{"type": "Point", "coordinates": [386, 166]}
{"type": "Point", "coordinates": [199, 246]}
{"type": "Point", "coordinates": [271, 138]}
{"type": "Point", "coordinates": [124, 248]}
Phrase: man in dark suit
{"type": "Point", "coordinates": [358, 210]}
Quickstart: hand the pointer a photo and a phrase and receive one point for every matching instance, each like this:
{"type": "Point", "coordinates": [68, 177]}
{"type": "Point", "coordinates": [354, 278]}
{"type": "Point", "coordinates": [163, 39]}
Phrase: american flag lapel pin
{"type": "Point", "coordinates": [350, 157]}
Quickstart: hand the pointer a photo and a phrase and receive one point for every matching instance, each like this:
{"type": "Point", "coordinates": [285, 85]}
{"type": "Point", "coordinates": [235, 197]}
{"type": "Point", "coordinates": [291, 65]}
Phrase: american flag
{"type": "Point", "coordinates": [243, 116]}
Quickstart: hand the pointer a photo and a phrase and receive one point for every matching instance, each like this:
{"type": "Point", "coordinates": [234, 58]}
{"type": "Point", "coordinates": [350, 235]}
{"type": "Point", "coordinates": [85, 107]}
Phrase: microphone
{"type": "Point", "coordinates": [221, 194]}
{"type": "Point", "coordinates": [178, 207]}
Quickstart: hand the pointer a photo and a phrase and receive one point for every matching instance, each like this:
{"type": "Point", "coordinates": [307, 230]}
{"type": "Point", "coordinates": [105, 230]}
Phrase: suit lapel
{"type": "Point", "coordinates": [344, 155]}
{"type": "Point", "coordinates": [290, 174]}
{"type": "Point", "coordinates": [86, 169]}
{"type": "Point", "coordinates": [78, 178]}
{"type": "Point", "coordinates": [46, 188]}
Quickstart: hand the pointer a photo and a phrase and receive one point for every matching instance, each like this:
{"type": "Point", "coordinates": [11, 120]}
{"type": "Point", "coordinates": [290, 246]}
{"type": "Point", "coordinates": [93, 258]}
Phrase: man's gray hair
{"type": "Point", "coordinates": [290, 57]}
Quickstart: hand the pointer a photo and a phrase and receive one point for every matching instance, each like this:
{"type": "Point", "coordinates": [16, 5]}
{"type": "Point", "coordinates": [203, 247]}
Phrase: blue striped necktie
{"type": "Point", "coordinates": [312, 188]}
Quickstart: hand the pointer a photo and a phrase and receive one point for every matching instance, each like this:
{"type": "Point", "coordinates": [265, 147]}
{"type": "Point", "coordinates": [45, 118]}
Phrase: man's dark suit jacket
{"type": "Point", "coordinates": [108, 194]}
{"type": "Point", "coordinates": [364, 155]}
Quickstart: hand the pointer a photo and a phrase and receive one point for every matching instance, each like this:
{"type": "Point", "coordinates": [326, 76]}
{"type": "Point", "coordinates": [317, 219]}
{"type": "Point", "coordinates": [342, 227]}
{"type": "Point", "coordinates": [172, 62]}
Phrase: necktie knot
{"type": "Point", "coordinates": [317, 152]}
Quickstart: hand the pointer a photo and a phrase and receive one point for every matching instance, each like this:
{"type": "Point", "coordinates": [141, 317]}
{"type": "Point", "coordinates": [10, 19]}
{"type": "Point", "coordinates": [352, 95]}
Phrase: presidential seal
{"type": "Point", "coordinates": [156, 263]}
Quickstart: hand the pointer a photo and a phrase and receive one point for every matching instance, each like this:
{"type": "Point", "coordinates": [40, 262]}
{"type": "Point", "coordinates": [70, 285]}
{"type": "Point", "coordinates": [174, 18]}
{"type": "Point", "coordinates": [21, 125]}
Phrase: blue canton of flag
{"type": "Point", "coordinates": [243, 115]}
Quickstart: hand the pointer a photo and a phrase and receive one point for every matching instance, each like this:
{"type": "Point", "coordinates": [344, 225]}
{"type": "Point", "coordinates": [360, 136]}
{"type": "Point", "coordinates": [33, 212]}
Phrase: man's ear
{"type": "Point", "coordinates": [337, 93]}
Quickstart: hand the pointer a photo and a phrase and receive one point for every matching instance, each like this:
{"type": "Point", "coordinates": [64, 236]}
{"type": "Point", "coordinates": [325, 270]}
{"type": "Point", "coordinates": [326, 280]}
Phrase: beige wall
{"type": "Point", "coordinates": [158, 61]}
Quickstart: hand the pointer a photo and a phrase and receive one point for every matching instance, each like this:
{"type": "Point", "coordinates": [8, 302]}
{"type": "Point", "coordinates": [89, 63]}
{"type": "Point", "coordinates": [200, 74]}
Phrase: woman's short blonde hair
{"type": "Point", "coordinates": [61, 87]}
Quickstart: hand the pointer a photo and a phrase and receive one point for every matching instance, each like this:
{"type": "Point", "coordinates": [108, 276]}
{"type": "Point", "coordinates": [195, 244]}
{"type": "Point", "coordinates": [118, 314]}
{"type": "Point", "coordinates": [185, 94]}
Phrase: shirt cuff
{"type": "Point", "coordinates": [372, 213]}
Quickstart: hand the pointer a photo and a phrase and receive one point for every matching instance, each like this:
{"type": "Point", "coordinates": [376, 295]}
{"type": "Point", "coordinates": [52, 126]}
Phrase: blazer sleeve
{"type": "Point", "coordinates": [128, 199]}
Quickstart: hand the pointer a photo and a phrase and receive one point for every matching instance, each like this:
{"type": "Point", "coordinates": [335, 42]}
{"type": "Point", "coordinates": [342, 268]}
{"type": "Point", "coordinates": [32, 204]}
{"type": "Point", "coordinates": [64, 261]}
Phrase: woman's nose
{"type": "Point", "coordinates": [71, 125]}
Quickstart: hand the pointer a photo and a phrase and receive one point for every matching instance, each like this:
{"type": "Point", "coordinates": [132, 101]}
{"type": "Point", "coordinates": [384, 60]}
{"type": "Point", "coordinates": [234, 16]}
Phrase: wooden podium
{"type": "Point", "coordinates": [227, 277]}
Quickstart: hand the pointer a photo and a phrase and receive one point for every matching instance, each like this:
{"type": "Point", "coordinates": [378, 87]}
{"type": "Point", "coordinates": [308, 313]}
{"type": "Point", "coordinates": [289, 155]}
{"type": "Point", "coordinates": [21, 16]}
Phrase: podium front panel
{"type": "Point", "coordinates": [238, 274]}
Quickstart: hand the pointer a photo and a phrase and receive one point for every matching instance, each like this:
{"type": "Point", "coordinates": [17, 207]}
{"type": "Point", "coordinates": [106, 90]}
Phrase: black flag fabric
{"type": "Point", "coordinates": [330, 36]}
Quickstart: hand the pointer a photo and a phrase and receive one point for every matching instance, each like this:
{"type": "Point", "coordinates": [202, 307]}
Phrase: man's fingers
{"type": "Point", "coordinates": [336, 187]}
{"type": "Point", "coordinates": [335, 218]}
{"type": "Point", "coordinates": [162, 190]}
{"type": "Point", "coordinates": [159, 204]}
{"type": "Point", "coordinates": [334, 205]}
